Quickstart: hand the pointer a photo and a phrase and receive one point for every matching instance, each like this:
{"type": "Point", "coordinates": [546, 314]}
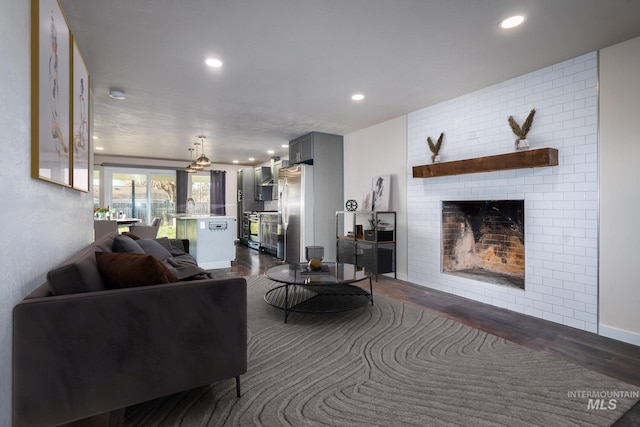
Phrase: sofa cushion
{"type": "Point", "coordinates": [151, 247]}
{"type": "Point", "coordinates": [166, 243]}
{"type": "Point", "coordinates": [123, 243]}
{"type": "Point", "coordinates": [66, 280]}
{"type": "Point", "coordinates": [129, 234]}
{"type": "Point", "coordinates": [126, 270]}
{"type": "Point", "coordinates": [105, 242]}
{"type": "Point", "coordinates": [187, 268]}
{"type": "Point", "coordinates": [84, 275]}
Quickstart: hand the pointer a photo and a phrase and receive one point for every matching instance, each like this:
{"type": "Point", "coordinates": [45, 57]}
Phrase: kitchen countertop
{"type": "Point", "coordinates": [185, 216]}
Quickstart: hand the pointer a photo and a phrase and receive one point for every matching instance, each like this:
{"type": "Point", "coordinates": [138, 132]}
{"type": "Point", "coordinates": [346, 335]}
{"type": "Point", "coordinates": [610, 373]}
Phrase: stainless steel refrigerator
{"type": "Point", "coordinates": [296, 209]}
{"type": "Point", "coordinates": [306, 212]}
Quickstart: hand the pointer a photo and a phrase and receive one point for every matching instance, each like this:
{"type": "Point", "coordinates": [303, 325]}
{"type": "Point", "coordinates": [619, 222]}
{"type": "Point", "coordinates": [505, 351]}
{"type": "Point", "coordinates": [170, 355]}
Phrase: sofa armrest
{"type": "Point", "coordinates": [78, 355]}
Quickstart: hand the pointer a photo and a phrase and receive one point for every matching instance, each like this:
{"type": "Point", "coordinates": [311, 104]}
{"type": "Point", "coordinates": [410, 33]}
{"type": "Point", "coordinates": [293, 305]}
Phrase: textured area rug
{"type": "Point", "coordinates": [389, 364]}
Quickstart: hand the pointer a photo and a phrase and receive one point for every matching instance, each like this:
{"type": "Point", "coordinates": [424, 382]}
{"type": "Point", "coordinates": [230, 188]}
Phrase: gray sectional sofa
{"type": "Point", "coordinates": [90, 341]}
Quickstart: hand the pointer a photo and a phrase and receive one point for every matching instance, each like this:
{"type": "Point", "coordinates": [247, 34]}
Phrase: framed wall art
{"type": "Point", "coordinates": [80, 103]}
{"type": "Point", "coordinates": [381, 187]}
{"type": "Point", "coordinates": [51, 150]}
{"type": "Point", "coordinates": [367, 201]}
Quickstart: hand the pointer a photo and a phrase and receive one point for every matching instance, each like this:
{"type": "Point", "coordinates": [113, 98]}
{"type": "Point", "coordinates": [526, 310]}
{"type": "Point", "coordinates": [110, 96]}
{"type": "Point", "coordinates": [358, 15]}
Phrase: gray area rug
{"type": "Point", "coordinates": [390, 364]}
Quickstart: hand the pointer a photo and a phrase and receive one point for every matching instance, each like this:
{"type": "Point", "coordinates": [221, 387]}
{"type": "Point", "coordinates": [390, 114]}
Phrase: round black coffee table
{"type": "Point", "coordinates": [329, 290]}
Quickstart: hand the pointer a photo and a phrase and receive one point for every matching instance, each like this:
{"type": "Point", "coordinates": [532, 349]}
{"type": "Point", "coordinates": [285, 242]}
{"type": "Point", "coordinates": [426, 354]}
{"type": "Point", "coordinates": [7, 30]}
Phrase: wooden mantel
{"type": "Point", "coordinates": [518, 160]}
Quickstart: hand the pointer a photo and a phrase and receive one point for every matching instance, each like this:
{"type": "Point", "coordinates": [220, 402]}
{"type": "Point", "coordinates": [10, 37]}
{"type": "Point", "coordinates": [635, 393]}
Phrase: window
{"type": "Point", "coordinates": [96, 188]}
{"type": "Point", "coordinates": [200, 193]}
{"type": "Point", "coordinates": [144, 194]}
{"type": "Point", "coordinates": [163, 203]}
{"type": "Point", "coordinates": [129, 195]}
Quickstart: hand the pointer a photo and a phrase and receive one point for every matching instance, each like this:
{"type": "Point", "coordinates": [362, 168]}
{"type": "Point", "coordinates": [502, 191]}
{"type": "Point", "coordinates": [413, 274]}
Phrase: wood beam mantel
{"type": "Point", "coordinates": [518, 160]}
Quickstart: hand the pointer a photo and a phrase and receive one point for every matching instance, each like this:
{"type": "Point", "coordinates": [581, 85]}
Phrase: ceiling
{"type": "Point", "coordinates": [291, 66]}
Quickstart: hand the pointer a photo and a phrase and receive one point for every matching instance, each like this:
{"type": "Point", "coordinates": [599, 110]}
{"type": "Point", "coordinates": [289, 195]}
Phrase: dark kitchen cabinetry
{"type": "Point", "coordinates": [306, 148]}
{"type": "Point", "coordinates": [301, 149]}
{"type": "Point", "coordinates": [264, 183]}
{"type": "Point", "coordinates": [246, 201]}
{"type": "Point", "coordinates": [374, 249]}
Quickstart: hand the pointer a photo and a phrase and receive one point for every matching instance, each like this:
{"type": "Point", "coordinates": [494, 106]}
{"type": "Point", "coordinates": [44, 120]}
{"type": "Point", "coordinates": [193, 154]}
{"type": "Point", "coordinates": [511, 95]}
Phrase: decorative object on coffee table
{"type": "Point", "coordinates": [315, 264]}
{"type": "Point", "coordinates": [522, 143]}
{"type": "Point", "coordinates": [435, 148]}
{"type": "Point", "coordinates": [313, 252]}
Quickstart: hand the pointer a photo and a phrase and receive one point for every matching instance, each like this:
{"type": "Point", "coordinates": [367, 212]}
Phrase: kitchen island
{"type": "Point", "coordinates": [211, 239]}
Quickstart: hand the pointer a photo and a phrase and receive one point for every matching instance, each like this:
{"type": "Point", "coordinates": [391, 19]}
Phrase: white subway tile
{"type": "Point", "coordinates": [561, 203]}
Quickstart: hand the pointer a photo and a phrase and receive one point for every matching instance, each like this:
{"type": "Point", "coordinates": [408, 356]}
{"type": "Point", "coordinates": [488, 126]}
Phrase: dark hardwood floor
{"type": "Point", "coordinates": [609, 357]}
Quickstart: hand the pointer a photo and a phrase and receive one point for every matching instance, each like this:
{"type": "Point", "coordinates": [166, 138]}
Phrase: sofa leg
{"type": "Point", "coordinates": [238, 386]}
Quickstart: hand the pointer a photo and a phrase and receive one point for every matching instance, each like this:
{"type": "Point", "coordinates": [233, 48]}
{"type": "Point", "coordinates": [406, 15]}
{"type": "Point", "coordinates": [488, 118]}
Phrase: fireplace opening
{"type": "Point", "coordinates": [484, 240]}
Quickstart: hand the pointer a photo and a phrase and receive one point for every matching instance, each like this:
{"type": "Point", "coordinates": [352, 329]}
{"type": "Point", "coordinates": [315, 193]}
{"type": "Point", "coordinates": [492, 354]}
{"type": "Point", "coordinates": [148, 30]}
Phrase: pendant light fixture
{"type": "Point", "coordinates": [190, 168]}
{"type": "Point", "coordinates": [194, 164]}
{"type": "Point", "coordinates": [203, 160]}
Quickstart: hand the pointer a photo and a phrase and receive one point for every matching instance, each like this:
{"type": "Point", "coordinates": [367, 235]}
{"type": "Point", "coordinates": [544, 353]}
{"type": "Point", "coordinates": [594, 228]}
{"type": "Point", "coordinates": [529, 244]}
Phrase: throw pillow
{"type": "Point", "coordinates": [66, 280]}
{"type": "Point", "coordinates": [123, 243]}
{"type": "Point", "coordinates": [165, 242]}
{"type": "Point", "coordinates": [151, 247]}
{"type": "Point", "coordinates": [127, 270]}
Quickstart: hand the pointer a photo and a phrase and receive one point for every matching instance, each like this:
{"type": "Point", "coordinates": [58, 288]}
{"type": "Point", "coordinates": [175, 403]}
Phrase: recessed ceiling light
{"type": "Point", "coordinates": [99, 148]}
{"type": "Point", "coordinates": [117, 94]}
{"type": "Point", "coordinates": [95, 137]}
{"type": "Point", "coordinates": [270, 151]}
{"type": "Point", "coordinates": [285, 146]}
{"type": "Point", "coordinates": [357, 97]}
{"type": "Point", "coordinates": [251, 159]}
{"type": "Point", "coordinates": [213, 62]}
{"type": "Point", "coordinates": [512, 21]}
{"type": "Point", "coordinates": [235, 161]}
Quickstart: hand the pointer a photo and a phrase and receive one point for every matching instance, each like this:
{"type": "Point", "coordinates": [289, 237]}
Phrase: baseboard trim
{"type": "Point", "coordinates": [619, 334]}
{"type": "Point", "coordinates": [399, 276]}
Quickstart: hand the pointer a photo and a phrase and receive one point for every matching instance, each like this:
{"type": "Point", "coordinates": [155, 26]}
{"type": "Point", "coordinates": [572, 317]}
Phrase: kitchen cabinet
{"type": "Point", "coordinates": [246, 201]}
{"type": "Point", "coordinates": [264, 183]}
{"type": "Point", "coordinates": [301, 149]}
{"type": "Point", "coordinates": [211, 239]}
{"type": "Point", "coordinates": [269, 232]}
{"type": "Point", "coordinates": [307, 148]}
{"type": "Point", "coordinates": [373, 248]}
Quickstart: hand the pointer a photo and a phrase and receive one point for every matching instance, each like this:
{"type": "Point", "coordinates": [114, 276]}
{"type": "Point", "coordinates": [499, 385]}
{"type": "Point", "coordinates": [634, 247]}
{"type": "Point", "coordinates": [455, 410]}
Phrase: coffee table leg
{"type": "Point", "coordinates": [370, 290]}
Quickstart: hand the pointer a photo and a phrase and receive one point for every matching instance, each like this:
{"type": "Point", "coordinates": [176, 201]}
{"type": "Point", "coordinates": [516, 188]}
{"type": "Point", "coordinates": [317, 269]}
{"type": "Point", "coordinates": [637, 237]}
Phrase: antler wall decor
{"type": "Point", "coordinates": [435, 148]}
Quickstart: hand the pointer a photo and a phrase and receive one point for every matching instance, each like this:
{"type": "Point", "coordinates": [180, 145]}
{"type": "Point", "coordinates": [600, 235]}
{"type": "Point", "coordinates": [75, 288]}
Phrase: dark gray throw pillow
{"type": "Point", "coordinates": [164, 242]}
{"type": "Point", "coordinates": [66, 280]}
{"type": "Point", "coordinates": [123, 243]}
{"type": "Point", "coordinates": [151, 247]}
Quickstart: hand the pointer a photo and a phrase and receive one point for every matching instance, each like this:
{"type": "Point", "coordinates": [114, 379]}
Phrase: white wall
{"type": "Point", "coordinates": [561, 202]}
{"type": "Point", "coordinates": [619, 195]}
{"type": "Point", "coordinates": [380, 150]}
{"type": "Point", "coordinates": [42, 224]}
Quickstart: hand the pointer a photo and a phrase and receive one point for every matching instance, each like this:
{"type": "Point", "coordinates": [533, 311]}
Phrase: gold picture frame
{"type": "Point", "coordinates": [51, 121]}
{"type": "Point", "coordinates": [80, 107]}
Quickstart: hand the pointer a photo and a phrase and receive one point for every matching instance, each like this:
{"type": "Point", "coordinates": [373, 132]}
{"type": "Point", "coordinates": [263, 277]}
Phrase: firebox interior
{"type": "Point", "coordinates": [484, 240]}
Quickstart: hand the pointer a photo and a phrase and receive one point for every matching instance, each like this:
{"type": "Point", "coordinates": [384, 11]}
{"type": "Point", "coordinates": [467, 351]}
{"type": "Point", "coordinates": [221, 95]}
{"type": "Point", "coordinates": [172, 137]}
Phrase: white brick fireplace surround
{"type": "Point", "coordinates": [561, 202]}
